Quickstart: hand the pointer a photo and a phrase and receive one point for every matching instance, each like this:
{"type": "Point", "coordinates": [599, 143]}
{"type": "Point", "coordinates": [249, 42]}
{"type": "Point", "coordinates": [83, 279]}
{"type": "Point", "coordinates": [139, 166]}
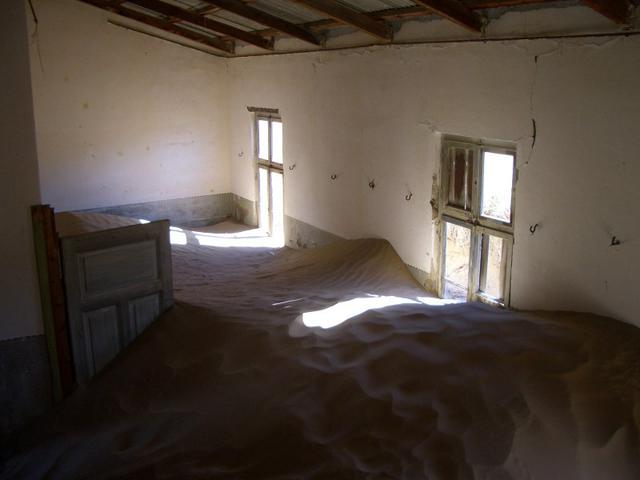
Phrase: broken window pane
{"type": "Point", "coordinates": [457, 253]}
{"type": "Point", "coordinates": [263, 139]}
{"type": "Point", "coordinates": [494, 267]}
{"type": "Point", "coordinates": [276, 142]}
{"type": "Point", "coordinates": [461, 178]}
{"type": "Point", "coordinates": [497, 182]}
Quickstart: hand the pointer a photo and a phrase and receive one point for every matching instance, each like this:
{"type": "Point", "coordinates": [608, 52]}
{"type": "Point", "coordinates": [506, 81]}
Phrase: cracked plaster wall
{"type": "Point", "coordinates": [378, 113]}
{"type": "Point", "coordinates": [368, 114]}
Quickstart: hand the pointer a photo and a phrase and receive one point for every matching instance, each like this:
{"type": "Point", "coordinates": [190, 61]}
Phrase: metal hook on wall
{"type": "Point", "coordinates": [615, 241]}
{"type": "Point", "coordinates": [533, 228]}
{"type": "Point", "coordinates": [372, 184]}
{"type": "Point", "coordinates": [408, 196]}
{"type": "Point", "coordinates": [334, 176]}
{"type": "Point", "coordinates": [291, 167]}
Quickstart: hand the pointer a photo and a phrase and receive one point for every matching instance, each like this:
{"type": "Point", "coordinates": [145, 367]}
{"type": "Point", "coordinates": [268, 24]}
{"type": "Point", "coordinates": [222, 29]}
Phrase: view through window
{"type": "Point", "coordinates": [476, 213]}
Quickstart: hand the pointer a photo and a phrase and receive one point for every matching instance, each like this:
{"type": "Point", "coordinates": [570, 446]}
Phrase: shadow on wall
{"type": "Point", "coordinates": [571, 296]}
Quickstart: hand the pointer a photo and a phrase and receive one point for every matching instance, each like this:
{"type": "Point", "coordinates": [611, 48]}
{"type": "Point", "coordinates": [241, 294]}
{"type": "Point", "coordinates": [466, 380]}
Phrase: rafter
{"type": "Point", "coordinates": [351, 17]}
{"type": "Point", "coordinates": [455, 11]}
{"type": "Point", "coordinates": [617, 10]}
{"type": "Point", "coordinates": [221, 35]}
{"type": "Point", "coordinates": [218, 43]}
{"type": "Point", "coordinates": [246, 11]}
{"type": "Point", "coordinates": [204, 22]}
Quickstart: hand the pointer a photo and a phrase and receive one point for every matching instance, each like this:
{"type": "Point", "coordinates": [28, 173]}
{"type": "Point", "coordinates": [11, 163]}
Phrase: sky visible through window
{"type": "Point", "coordinates": [497, 180]}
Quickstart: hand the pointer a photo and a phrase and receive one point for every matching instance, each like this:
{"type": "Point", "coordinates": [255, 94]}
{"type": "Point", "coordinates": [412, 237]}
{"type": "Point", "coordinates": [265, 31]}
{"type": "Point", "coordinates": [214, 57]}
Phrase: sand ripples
{"type": "Point", "coordinates": [231, 385]}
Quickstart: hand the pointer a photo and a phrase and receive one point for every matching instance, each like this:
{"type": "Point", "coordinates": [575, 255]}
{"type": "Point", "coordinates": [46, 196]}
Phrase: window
{"type": "Point", "coordinates": [269, 160]}
{"type": "Point", "coordinates": [476, 212]}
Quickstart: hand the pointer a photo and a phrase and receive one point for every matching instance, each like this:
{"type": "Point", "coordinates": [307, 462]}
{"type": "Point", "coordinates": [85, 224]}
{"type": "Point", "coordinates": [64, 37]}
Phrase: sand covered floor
{"type": "Point", "coordinates": [232, 383]}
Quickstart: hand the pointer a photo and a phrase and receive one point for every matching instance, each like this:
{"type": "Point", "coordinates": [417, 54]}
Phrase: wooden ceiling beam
{"type": "Point", "coordinates": [455, 11]}
{"type": "Point", "coordinates": [617, 10]}
{"type": "Point", "coordinates": [204, 22]}
{"type": "Point", "coordinates": [218, 43]}
{"type": "Point", "coordinates": [246, 11]}
{"type": "Point", "coordinates": [351, 17]}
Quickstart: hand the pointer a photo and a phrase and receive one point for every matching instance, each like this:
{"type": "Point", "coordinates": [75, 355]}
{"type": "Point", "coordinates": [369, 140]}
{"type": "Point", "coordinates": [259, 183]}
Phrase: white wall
{"type": "Point", "coordinates": [123, 117]}
{"type": "Point", "coordinates": [581, 184]}
{"type": "Point", "coordinates": [378, 113]}
{"type": "Point", "coordinates": [20, 312]}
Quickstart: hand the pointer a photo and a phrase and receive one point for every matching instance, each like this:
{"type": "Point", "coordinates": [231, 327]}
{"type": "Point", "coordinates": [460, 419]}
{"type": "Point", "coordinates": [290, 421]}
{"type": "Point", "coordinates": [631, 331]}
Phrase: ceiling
{"type": "Point", "coordinates": [224, 24]}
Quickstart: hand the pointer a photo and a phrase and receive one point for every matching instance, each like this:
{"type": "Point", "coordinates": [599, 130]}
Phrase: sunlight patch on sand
{"type": "Point", "coordinates": [177, 236]}
{"type": "Point", "coordinates": [439, 302]}
{"type": "Point", "coordinates": [343, 311]}
{"type": "Point", "coordinates": [255, 238]}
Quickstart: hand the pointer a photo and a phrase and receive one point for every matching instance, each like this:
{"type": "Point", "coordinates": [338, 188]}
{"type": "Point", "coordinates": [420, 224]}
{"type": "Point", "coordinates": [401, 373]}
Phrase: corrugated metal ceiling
{"type": "Point", "coordinates": [234, 20]}
{"type": "Point", "coordinates": [374, 5]}
{"type": "Point", "coordinates": [188, 4]}
{"type": "Point", "coordinates": [289, 11]}
{"type": "Point", "coordinates": [137, 8]}
{"type": "Point", "coordinates": [297, 15]}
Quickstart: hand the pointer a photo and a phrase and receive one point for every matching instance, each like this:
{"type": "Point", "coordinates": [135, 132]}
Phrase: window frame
{"type": "Point", "coordinates": [269, 165]}
{"type": "Point", "coordinates": [269, 118]}
{"type": "Point", "coordinates": [473, 219]}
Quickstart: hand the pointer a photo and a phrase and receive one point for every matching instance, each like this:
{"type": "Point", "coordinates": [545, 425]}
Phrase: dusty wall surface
{"type": "Point", "coordinates": [20, 313]}
{"type": "Point", "coordinates": [122, 117]}
{"type": "Point", "coordinates": [323, 145]}
{"type": "Point", "coordinates": [379, 114]}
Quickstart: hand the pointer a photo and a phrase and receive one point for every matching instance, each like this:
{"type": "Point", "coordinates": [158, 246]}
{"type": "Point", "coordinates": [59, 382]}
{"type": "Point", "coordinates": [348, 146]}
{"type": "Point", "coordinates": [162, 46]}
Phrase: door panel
{"type": "Point", "coordinates": [107, 270]}
{"type": "Point", "coordinates": [118, 281]}
{"type": "Point", "coordinates": [102, 337]}
{"type": "Point", "coordinates": [142, 312]}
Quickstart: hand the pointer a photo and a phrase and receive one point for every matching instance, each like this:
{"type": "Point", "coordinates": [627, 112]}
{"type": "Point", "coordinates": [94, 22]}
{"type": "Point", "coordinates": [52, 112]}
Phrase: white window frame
{"type": "Point", "coordinates": [268, 164]}
{"type": "Point", "coordinates": [473, 220]}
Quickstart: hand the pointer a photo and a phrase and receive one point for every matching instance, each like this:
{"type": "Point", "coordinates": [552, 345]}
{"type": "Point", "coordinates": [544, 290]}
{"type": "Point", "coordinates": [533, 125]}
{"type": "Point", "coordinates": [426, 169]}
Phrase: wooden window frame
{"type": "Point", "coordinates": [472, 219]}
{"type": "Point", "coordinates": [269, 115]}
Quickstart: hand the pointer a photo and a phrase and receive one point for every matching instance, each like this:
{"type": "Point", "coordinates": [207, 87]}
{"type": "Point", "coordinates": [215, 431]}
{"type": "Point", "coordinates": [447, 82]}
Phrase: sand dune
{"type": "Point", "coordinates": [232, 383]}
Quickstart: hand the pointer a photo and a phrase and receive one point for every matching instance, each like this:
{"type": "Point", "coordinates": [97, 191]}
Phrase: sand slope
{"type": "Point", "coordinates": [231, 384]}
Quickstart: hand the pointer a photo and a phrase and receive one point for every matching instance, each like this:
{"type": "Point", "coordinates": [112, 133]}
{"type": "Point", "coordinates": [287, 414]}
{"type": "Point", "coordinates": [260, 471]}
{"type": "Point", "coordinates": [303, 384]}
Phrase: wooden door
{"type": "Point", "coordinates": [117, 282]}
